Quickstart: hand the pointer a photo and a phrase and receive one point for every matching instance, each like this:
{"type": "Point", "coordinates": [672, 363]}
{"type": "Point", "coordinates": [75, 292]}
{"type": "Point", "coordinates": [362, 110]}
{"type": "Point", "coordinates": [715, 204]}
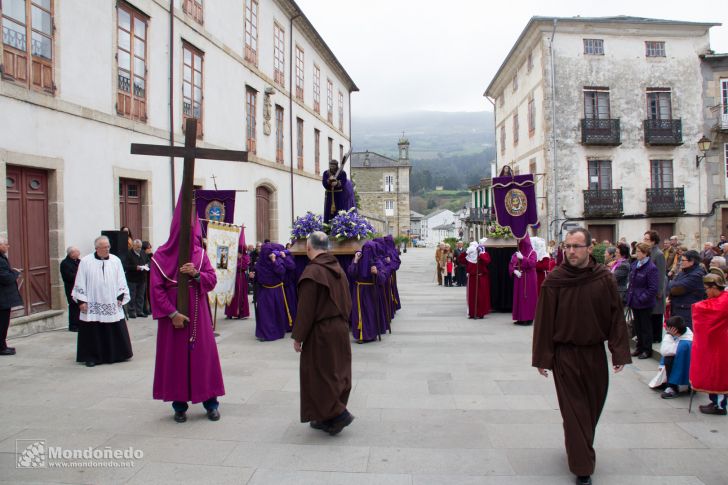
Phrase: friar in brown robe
{"type": "Point", "coordinates": [321, 334]}
{"type": "Point", "coordinates": [579, 308]}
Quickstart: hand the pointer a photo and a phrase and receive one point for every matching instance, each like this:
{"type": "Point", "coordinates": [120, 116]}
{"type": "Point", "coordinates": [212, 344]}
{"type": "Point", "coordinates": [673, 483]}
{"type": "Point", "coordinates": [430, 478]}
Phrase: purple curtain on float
{"type": "Point", "coordinates": [515, 203]}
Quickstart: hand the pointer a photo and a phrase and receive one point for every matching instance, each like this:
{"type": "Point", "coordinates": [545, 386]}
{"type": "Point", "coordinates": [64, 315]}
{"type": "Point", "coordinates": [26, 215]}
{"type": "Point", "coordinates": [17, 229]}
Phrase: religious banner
{"type": "Point", "coordinates": [214, 205]}
{"type": "Point", "coordinates": [222, 250]}
{"type": "Point", "coordinates": [515, 203]}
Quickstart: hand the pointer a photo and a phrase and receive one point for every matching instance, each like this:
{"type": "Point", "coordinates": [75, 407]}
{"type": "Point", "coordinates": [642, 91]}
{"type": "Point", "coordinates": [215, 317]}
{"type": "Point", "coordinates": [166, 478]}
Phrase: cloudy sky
{"type": "Point", "coordinates": [410, 55]}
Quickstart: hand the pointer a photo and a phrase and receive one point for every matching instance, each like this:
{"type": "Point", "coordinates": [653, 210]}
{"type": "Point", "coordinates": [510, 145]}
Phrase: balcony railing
{"type": "Point", "coordinates": [723, 122]}
{"type": "Point", "coordinates": [480, 214]}
{"type": "Point", "coordinates": [663, 132]}
{"type": "Point", "coordinates": [600, 132]}
{"type": "Point", "coordinates": [669, 201]}
{"type": "Point", "coordinates": [603, 203]}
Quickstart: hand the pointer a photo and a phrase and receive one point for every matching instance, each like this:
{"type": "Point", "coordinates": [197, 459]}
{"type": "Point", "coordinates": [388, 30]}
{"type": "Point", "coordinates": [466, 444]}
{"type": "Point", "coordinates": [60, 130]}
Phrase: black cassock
{"type": "Point", "coordinates": [69, 268]}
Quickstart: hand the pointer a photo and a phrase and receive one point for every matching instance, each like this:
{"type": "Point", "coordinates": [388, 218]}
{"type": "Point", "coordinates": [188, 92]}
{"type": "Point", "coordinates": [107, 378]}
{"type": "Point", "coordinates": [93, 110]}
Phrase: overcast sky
{"type": "Point", "coordinates": [410, 55]}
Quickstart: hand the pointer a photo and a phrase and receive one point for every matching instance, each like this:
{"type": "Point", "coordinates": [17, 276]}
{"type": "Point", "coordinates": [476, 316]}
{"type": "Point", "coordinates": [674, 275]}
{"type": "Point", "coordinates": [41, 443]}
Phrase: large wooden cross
{"type": "Point", "coordinates": [189, 152]}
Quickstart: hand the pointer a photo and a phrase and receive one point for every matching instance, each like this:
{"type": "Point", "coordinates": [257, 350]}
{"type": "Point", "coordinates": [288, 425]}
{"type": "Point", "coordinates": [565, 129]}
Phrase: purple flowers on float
{"type": "Point", "coordinates": [350, 225]}
{"type": "Point", "coordinates": [303, 226]}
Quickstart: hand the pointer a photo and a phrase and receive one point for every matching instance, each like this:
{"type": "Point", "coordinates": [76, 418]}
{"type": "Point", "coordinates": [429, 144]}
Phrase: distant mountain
{"type": "Point", "coordinates": [432, 134]}
{"type": "Point", "coordinates": [447, 149]}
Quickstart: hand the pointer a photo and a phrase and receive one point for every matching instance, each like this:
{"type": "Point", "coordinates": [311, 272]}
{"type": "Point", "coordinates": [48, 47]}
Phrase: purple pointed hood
{"type": "Point", "coordinates": [166, 256]}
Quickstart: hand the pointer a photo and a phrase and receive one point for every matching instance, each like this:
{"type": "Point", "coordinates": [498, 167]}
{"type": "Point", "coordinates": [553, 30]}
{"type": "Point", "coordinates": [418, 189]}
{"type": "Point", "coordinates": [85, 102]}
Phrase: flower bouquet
{"type": "Point", "coordinates": [303, 226]}
{"type": "Point", "coordinates": [350, 225]}
{"type": "Point", "coordinates": [499, 232]}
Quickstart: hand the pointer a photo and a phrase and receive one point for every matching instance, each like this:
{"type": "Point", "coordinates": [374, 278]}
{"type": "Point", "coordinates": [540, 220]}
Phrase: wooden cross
{"type": "Point", "coordinates": [189, 152]}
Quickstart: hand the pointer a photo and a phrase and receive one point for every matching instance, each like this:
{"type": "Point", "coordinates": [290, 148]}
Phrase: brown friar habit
{"type": "Point", "coordinates": [322, 324]}
{"type": "Point", "coordinates": [578, 309]}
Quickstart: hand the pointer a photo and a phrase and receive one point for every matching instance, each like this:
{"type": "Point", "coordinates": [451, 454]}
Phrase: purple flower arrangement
{"type": "Point", "coordinates": [350, 225]}
{"type": "Point", "coordinates": [303, 226]}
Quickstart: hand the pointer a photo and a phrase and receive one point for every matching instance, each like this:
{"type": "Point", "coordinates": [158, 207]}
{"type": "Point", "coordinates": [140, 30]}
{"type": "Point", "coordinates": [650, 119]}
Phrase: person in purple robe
{"type": "Point", "coordinates": [239, 306]}
{"type": "Point", "coordinates": [382, 286]}
{"type": "Point", "coordinates": [290, 281]}
{"type": "Point", "coordinates": [339, 192]}
{"type": "Point", "coordinates": [187, 367]}
{"type": "Point", "coordinates": [273, 315]}
{"type": "Point", "coordinates": [525, 282]}
{"type": "Point", "coordinates": [366, 318]}
{"type": "Point", "coordinates": [396, 263]}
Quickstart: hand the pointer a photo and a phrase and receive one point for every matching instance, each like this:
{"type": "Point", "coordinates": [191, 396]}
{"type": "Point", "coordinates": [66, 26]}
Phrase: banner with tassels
{"type": "Point", "coordinates": [514, 198]}
{"type": "Point", "coordinates": [222, 250]}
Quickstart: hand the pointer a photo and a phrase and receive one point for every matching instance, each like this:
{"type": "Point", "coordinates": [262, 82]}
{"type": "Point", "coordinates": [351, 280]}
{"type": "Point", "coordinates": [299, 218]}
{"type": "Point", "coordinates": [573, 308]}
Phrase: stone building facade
{"type": "Point", "coordinates": [607, 112]}
{"type": "Point", "coordinates": [81, 81]}
{"type": "Point", "coordinates": [383, 186]}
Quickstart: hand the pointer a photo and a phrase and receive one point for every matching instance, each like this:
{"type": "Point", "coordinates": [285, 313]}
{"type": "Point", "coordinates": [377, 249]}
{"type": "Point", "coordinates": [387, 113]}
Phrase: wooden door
{"type": "Point", "coordinates": [262, 211]}
{"type": "Point", "coordinates": [602, 232]}
{"type": "Point", "coordinates": [130, 205]}
{"type": "Point", "coordinates": [665, 230]}
{"type": "Point", "coordinates": [27, 190]}
{"type": "Point", "coordinates": [724, 219]}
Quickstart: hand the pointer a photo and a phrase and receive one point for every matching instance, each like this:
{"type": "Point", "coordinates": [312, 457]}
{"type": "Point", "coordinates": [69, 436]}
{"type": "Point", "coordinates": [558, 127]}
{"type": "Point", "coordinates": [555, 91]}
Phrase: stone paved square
{"type": "Point", "coordinates": [442, 400]}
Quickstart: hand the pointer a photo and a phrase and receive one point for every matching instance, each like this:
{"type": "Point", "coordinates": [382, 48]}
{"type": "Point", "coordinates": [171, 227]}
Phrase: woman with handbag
{"type": "Point", "coordinates": [640, 297]}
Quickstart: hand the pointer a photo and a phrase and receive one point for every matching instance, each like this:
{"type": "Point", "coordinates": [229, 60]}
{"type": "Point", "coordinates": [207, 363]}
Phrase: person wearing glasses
{"type": "Point", "coordinates": [687, 287]}
{"type": "Point", "coordinates": [579, 308]}
{"type": "Point", "coordinates": [641, 294]}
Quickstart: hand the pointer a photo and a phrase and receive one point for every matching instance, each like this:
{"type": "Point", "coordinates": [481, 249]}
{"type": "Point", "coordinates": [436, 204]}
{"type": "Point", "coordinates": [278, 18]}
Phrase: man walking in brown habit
{"type": "Point", "coordinates": [578, 309]}
{"type": "Point", "coordinates": [321, 335]}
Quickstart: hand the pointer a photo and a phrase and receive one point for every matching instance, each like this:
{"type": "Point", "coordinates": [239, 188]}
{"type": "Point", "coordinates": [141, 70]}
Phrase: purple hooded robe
{"type": "Point", "coordinates": [343, 196]}
{"type": "Point", "coordinates": [366, 320]}
{"type": "Point", "coordinates": [239, 306]}
{"type": "Point", "coordinates": [187, 366]}
{"type": "Point", "coordinates": [274, 316]}
{"type": "Point", "coordinates": [525, 288]}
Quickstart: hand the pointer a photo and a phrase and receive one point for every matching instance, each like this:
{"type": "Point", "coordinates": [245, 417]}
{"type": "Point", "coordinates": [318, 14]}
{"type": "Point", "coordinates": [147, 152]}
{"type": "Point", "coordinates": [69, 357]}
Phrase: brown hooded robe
{"type": "Point", "coordinates": [578, 309]}
{"type": "Point", "coordinates": [322, 324]}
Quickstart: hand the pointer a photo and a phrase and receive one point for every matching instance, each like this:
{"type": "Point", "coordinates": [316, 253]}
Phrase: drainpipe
{"type": "Point", "coordinates": [171, 99]}
{"type": "Point", "coordinates": [495, 134]}
{"type": "Point", "coordinates": [290, 102]}
{"type": "Point", "coordinates": [553, 131]}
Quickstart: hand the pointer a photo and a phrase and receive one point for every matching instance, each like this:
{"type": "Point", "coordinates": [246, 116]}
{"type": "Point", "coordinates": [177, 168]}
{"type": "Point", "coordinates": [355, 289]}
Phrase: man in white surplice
{"type": "Point", "coordinates": [101, 291]}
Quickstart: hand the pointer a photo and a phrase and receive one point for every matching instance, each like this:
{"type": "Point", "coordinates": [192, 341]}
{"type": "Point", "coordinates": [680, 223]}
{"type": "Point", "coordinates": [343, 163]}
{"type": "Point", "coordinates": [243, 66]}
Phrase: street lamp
{"type": "Point", "coordinates": [704, 146]}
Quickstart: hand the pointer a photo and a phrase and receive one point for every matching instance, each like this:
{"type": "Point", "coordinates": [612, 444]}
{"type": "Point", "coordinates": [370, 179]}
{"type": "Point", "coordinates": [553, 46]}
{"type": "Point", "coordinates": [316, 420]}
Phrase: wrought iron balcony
{"type": "Point", "coordinates": [600, 132]}
{"type": "Point", "coordinates": [603, 203]}
{"type": "Point", "coordinates": [663, 132]}
{"type": "Point", "coordinates": [669, 201]}
{"type": "Point", "coordinates": [480, 214]}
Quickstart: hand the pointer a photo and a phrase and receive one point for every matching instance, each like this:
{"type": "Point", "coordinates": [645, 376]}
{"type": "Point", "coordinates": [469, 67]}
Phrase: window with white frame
{"type": "Point", "coordinates": [389, 183]}
{"type": "Point", "coordinates": [389, 207]}
{"type": "Point", "coordinates": [655, 48]}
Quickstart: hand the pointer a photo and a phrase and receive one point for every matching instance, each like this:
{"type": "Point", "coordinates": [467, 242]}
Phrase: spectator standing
{"type": "Point", "coordinates": [9, 295]}
{"type": "Point", "coordinates": [658, 259]}
{"type": "Point", "coordinates": [687, 287]}
{"type": "Point", "coordinates": [136, 267]}
{"type": "Point", "coordinates": [620, 270]}
{"type": "Point", "coordinates": [643, 285]}
{"type": "Point", "coordinates": [69, 268]}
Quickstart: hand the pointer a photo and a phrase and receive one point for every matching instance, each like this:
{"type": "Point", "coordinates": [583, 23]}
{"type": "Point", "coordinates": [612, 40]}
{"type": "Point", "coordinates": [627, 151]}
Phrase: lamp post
{"type": "Point", "coordinates": [704, 146]}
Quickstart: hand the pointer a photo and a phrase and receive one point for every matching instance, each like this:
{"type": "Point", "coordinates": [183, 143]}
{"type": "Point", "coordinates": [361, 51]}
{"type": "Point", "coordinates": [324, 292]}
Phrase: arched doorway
{"type": "Point", "coordinates": [263, 213]}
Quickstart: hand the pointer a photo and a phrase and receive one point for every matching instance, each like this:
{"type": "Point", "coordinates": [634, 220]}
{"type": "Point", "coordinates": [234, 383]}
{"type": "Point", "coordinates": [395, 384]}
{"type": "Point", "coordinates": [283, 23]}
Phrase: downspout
{"type": "Point", "coordinates": [495, 134]}
{"type": "Point", "coordinates": [171, 99]}
{"type": "Point", "coordinates": [553, 130]}
{"type": "Point", "coordinates": [290, 102]}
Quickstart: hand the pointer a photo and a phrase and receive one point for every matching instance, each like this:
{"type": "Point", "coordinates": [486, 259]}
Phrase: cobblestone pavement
{"type": "Point", "coordinates": [442, 400]}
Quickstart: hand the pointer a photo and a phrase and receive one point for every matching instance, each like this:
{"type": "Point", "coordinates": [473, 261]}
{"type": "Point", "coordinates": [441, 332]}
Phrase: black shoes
{"type": "Point", "coordinates": [213, 415]}
{"type": "Point", "coordinates": [523, 323]}
{"type": "Point", "coordinates": [339, 423]}
{"type": "Point", "coordinates": [584, 480]}
{"type": "Point", "coordinates": [317, 425]}
{"type": "Point", "coordinates": [8, 351]}
{"type": "Point", "coordinates": [90, 364]}
{"type": "Point", "coordinates": [713, 409]}
{"type": "Point", "coordinates": [644, 355]}
{"type": "Point", "coordinates": [180, 416]}
{"type": "Point", "coordinates": [635, 353]}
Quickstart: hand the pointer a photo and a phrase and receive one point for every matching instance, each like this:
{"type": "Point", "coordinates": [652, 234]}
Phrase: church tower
{"type": "Point", "coordinates": [403, 149]}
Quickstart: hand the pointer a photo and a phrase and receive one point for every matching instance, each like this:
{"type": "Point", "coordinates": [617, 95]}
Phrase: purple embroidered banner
{"type": "Point", "coordinates": [214, 205]}
{"type": "Point", "coordinates": [515, 203]}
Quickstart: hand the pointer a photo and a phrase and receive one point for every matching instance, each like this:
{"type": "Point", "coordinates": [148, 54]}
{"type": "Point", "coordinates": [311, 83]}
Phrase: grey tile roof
{"type": "Point", "coordinates": [375, 161]}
